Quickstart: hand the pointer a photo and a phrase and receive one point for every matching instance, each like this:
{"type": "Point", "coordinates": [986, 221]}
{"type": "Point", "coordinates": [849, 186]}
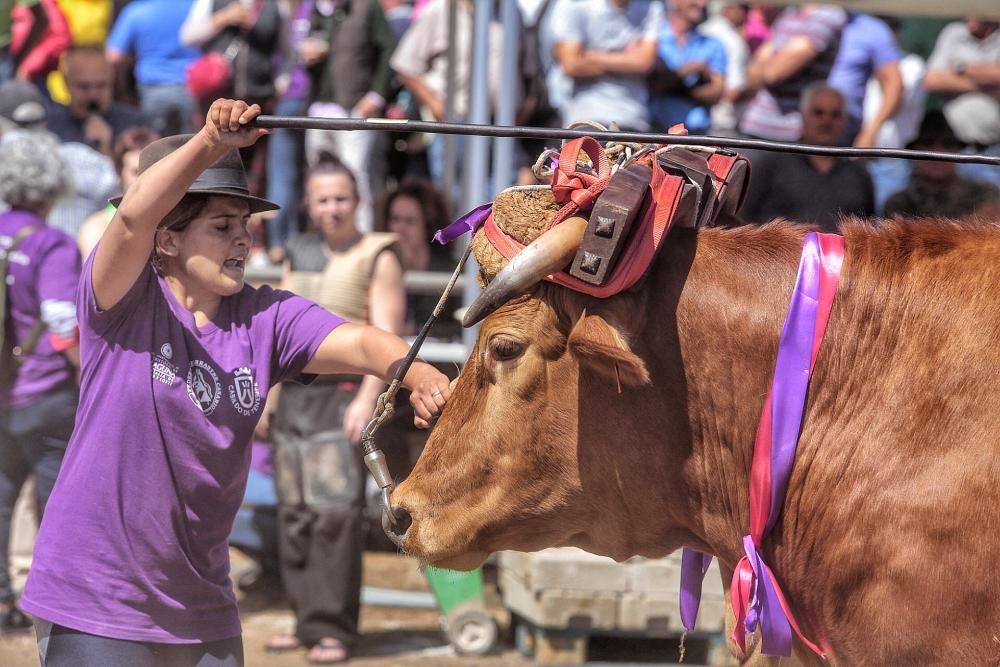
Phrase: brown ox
{"type": "Point", "coordinates": [625, 427]}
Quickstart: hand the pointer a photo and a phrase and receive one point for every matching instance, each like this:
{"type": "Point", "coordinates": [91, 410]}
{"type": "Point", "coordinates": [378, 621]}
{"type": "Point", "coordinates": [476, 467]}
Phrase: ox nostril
{"type": "Point", "coordinates": [397, 531]}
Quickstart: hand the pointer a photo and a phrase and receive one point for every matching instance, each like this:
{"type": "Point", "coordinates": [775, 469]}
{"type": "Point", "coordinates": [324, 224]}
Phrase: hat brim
{"type": "Point", "coordinates": [256, 204]}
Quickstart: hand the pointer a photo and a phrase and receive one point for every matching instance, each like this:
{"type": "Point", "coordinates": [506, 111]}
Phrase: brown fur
{"type": "Point", "coordinates": [888, 546]}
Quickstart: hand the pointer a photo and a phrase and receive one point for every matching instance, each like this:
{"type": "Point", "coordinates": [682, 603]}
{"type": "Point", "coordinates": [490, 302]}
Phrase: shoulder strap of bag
{"type": "Point", "coordinates": [28, 346]}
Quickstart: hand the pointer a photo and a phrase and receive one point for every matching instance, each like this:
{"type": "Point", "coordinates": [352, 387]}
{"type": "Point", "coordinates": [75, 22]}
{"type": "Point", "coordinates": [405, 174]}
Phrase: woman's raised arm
{"type": "Point", "coordinates": [125, 247]}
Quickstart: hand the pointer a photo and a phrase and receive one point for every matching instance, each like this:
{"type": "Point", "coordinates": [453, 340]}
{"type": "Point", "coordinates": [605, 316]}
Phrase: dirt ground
{"type": "Point", "coordinates": [390, 636]}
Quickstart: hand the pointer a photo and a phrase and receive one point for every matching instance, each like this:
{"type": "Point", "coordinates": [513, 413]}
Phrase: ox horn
{"type": "Point", "coordinates": [547, 254]}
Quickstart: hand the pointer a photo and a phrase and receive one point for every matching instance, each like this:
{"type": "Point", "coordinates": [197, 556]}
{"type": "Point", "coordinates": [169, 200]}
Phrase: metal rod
{"type": "Point", "coordinates": [347, 124]}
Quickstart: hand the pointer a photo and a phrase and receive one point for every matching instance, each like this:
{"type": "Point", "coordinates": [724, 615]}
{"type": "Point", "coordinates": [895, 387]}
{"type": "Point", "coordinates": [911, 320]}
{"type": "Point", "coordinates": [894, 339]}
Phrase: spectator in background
{"type": "Point", "coordinates": [39, 36]}
{"type": "Point", "coordinates": [38, 394]}
{"type": "Point", "coordinates": [316, 429]}
{"type": "Point", "coordinates": [92, 175]}
{"type": "Point", "coordinates": [725, 25]}
{"type": "Point", "coordinates": [867, 50]}
{"type": "Point", "coordinates": [414, 211]}
{"type": "Point", "coordinates": [965, 68]}
{"type": "Point", "coordinates": [814, 189]}
{"type": "Point", "coordinates": [92, 117]}
{"type": "Point", "coordinates": [89, 20]}
{"type": "Point", "coordinates": [759, 24]}
{"type": "Point", "coordinates": [801, 51]}
{"type": "Point", "coordinates": [697, 63]}
{"type": "Point", "coordinates": [889, 175]}
{"type": "Point", "coordinates": [147, 35]}
{"type": "Point", "coordinates": [936, 189]}
{"type": "Point", "coordinates": [212, 25]}
{"type": "Point", "coordinates": [421, 63]}
{"type": "Point", "coordinates": [606, 48]}
{"type": "Point", "coordinates": [286, 148]}
{"type": "Point", "coordinates": [347, 54]}
{"type": "Point", "coordinates": [127, 149]}
{"type": "Point", "coordinates": [6, 23]}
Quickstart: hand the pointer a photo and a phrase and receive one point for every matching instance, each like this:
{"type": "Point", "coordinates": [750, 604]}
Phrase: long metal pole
{"type": "Point", "coordinates": [486, 130]}
{"type": "Point", "coordinates": [450, 77]}
{"type": "Point", "coordinates": [503, 147]}
{"type": "Point", "coordinates": [477, 153]}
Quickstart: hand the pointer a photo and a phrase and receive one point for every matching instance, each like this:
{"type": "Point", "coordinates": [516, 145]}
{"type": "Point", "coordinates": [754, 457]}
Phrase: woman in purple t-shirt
{"type": "Point", "coordinates": [178, 354]}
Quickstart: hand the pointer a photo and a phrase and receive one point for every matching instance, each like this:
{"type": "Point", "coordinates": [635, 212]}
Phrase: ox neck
{"type": "Point", "coordinates": [731, 289]}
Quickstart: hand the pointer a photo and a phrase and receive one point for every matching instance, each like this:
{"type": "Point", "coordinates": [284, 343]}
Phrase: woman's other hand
{"type": "Point", "coordinates": [429, 391]}
{"type": "Point", "coordinates": [227, 124]}
{"type": "Point", "coordinates": [357, 415]}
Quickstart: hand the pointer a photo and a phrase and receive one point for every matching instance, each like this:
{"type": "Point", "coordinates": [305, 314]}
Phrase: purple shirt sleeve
{"type": "Point", "coordinates": [300, 327]}
{"type": "Point", "coordinates": [103, 322]}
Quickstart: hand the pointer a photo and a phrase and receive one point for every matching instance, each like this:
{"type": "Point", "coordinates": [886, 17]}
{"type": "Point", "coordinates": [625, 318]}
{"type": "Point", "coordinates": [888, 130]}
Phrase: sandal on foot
{"type": "Point", "coordinates": [282, 644]}
{"type": "Point", "coordinates": [328, 651]}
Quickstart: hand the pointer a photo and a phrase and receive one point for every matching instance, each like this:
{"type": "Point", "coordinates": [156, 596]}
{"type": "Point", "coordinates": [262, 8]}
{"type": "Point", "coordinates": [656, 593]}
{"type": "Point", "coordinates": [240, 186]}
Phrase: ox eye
{"type": "Point", "coordinates": [505, 349]}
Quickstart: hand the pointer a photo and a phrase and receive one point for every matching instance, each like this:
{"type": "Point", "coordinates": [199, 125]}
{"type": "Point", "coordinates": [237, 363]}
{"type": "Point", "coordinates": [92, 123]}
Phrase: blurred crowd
{"type": "Point", "coordinates": [85, 85]}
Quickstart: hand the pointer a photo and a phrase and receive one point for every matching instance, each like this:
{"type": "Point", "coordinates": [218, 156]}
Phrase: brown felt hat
{"type": "Point", "coordinates": [226, 177]}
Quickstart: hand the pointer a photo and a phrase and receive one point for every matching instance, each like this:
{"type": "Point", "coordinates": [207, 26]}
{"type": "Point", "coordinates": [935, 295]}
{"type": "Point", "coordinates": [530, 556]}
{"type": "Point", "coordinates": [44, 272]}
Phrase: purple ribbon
{"type": "Point", "coordinates": [791, 374]}
{"type": "Point", "coordinates": [470, 222]}
{"type": "Point", "coordinates": [694, 565]}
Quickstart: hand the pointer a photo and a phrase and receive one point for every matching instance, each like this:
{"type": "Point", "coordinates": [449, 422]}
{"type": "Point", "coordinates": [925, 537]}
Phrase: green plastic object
{"type": "Point", "coordinates": [452, 588]}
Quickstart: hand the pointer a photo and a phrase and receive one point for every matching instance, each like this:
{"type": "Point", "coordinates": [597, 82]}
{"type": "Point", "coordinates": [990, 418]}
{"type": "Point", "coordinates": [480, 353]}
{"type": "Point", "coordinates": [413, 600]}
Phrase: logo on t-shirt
{"type": "Point", "coordinates": [163, 370]}
{"type": "Point", "coordinates": [203, 386]}
{"type": "Point", "coordinates": [243, 392]}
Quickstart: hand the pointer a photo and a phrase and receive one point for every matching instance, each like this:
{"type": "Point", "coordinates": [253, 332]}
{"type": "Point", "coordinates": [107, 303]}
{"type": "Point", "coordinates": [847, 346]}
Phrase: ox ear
{"type": "Point", "coordinates": [602, 348]}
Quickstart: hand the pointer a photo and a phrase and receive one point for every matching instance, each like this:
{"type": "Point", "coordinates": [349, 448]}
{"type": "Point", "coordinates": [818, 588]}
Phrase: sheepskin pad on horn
{"type": "Point", "coordinates": [522, 213]}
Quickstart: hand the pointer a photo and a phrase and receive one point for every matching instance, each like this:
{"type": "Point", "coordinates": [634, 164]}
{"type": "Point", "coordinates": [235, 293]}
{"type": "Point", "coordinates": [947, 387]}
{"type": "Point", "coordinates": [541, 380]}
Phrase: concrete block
{"type": "Point", "coordinates": [653, 614]}
{"type": "Point", "coordinates": [560, 609]}
{"type": "Point", "coordinates": [565, 568]}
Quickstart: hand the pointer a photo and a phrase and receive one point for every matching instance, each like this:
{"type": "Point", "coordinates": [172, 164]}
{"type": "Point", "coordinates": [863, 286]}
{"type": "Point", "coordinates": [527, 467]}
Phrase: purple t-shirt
{"type": "Point", "coordinates": [43, 273]}
{"type": "Point", "coordinates": [133, 544]}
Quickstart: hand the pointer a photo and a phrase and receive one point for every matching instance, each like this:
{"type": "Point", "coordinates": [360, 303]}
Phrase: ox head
{"type": "Point", "coordinates": [521, 457]}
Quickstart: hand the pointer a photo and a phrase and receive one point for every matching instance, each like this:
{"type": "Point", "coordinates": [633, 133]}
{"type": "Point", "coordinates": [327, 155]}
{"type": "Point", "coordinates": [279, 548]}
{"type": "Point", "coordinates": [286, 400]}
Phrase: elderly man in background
{"type": "Point", "coordinates": [815, 189]}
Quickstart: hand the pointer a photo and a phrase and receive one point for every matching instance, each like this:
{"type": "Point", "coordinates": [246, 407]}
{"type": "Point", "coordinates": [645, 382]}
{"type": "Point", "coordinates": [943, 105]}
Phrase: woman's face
{"type": "Point", "coordinates": [130, 169]}
{"type": "Point", "coordinates": [407, 220]}
{"type": "Point", "coordinates": [210, 253]}
{"type": "Point", "coordinates": [332, 203]}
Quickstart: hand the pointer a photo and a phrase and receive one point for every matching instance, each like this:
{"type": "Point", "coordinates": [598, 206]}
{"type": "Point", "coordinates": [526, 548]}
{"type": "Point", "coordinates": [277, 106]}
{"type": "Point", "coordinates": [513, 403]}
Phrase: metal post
{"type": "Point", "coordinates": [503, 148]}
{"type": "Point", "coordinates": [448, 180]}
{"type": "Point", "coordinates": [477, 148]}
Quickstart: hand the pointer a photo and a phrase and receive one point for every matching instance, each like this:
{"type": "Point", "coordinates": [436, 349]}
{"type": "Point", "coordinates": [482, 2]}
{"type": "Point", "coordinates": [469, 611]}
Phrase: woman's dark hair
{"type": "Point", "coordinates": [132, 139]}
{"type": "Point", "coordinates": [329, 164]}
{"type": "Point", "coordinates": [432, 204]}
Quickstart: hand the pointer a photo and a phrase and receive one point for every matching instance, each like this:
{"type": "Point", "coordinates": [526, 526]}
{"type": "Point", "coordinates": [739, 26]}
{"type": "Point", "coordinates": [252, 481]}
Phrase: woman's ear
{"type": "Point", "coordinates": [165, 243]}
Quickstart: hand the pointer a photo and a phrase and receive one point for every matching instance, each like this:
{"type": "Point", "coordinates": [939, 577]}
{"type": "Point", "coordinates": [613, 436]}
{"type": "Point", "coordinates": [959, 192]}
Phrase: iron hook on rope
{"type": "Point", "coordinates": [373, 456]}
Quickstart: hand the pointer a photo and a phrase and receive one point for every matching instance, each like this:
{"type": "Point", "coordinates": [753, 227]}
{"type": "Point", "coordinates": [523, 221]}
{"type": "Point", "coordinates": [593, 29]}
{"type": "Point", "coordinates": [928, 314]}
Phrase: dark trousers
{"type": "Point", "coordinates": [320, 485]}
{"type": "Point", "coordinates": [33, 439]}
{"type": "Point", "coordinates": [62, 647]}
